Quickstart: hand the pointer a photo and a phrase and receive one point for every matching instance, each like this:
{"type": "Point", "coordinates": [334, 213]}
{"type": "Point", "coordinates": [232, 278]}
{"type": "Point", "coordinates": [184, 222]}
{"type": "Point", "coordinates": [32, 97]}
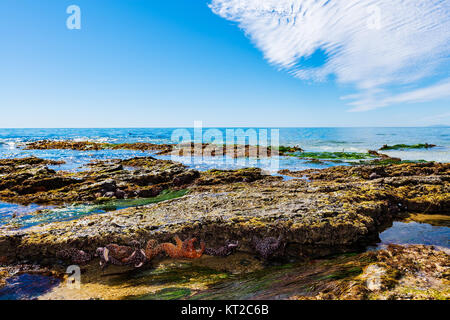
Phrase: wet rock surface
{"type": "Point", "coordinates": [236, 213]}
{"type": "Point", "coordinates": [103, 180]}
{"type": "Point", "coordinates": [337, 211]}
{"type": "Point", "coordinates": [396, 273]}
{"type": "Point", "coordinates": [417, 187]}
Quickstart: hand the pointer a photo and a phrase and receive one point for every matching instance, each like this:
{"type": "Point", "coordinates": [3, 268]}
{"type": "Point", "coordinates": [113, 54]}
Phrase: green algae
{"type": "Point", "coordinates": [390, 161]}
{"type": "Point", "coordinates": [344, 273]}
{"type": "Point", "coordinates": [333, 155]}
{"type": "Point", "coordinates": [407, 146]}
{"type": "Point", "coordinates": [175, 274]}
{"type": "Point", "coordinates": [112, 205]}
{"type": "Point", "coordinates": [178, 276]}
{"type": "Point", "coordinates": [164, 294]}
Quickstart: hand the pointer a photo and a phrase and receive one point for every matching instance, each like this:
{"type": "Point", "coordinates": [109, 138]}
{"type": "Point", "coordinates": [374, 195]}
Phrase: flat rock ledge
{"type": "Point", "coordinates": [314, 218]}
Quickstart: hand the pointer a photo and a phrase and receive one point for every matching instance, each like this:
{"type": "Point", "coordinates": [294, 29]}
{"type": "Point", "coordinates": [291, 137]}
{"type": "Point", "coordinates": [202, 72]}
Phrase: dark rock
{"type": "Point", "coordinates": [120, 194]}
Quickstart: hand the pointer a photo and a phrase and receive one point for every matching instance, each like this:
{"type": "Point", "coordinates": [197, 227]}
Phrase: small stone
{"type": "Point", "coordinates": [373, 275]}
{"type": "Point", "coordinates": [109, 185]}
{"type": "Point", "coordinates": [109, 194]}
{"type": "Point", "coordinates": [120, 194]}
{"type": "Point", "coordinates": [374, 175]}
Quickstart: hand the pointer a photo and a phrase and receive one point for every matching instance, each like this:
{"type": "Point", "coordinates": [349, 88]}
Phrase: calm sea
{"type": "Point", "coordinates": [310, 139]}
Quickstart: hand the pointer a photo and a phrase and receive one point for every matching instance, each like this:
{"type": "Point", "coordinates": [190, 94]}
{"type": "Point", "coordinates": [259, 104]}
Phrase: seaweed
{"type": "Point", "coordinates": [113, 205]}
{"type": "Point", "coordinates": [333, 155]}
{"type": "Point", "coordinates": [408, 146]}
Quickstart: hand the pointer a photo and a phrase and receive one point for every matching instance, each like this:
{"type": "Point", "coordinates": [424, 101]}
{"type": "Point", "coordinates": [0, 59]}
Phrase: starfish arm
{"type": "Point", "coordinates": [178, 241]}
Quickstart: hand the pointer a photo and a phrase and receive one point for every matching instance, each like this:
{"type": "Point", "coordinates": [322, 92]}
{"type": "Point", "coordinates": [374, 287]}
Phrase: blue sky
{"type": "Point", "coordinates": [167, 63]}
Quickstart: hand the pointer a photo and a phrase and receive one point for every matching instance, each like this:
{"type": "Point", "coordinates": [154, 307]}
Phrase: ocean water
{"type": "Point", "coordinates": [310, 139]}
{"type": "Point", "coordinates": [27, 286]}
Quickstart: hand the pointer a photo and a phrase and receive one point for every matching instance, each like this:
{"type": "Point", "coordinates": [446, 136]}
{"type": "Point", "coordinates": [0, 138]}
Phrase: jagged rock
{"type": "Point", "coordinates": [35, 183]}
{"type": "Point", "coordinates": [215, 176]}
{"type": "Point", "coordinates": [74, 255]}
{"type": "Point", "coordinates": [374, 175]}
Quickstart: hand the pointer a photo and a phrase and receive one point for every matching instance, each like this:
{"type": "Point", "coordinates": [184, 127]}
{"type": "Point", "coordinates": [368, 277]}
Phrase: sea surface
{"type": "Point", "coordinates": [309, 139]}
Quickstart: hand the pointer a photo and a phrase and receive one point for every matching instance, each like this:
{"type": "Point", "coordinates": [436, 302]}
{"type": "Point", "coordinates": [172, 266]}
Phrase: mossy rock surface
{"type": "Point", "coordinates": [407, 146]}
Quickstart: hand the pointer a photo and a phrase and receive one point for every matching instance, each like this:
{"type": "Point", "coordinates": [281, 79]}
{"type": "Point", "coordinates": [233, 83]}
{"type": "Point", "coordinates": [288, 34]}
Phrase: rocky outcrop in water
{"type": "Point", "coordinates": [183, 149]}
{"type": "Point", "coordinates": [31, 181]}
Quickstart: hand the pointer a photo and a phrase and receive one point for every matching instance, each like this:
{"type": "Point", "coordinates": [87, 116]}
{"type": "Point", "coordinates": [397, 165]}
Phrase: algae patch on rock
{"type": "Point", "coordinates": [333, 155]}
{"type": "Point", "coordinates": [164, 294]}
{"type": "Point", "coordinates": [408, 146]}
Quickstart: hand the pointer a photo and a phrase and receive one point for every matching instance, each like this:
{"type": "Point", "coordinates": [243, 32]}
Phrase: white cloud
{"type": "Point", "coordinates": [377, 46]}
{"type": "Point", "coordinates": [369, 101]}
{"type": "Point", "coordinates": [437, 118]}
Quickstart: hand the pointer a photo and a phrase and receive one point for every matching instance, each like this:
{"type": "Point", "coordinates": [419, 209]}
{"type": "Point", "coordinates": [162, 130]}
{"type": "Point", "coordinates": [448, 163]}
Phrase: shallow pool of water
{"type": "Point", "coordinates": [27, 286]}
{"type": "Point", "coordinates": [416, 233]}
{"type": "Point", "coordinates": [27, 216]}
{"type": "Point", "coordinates": [10, 211]}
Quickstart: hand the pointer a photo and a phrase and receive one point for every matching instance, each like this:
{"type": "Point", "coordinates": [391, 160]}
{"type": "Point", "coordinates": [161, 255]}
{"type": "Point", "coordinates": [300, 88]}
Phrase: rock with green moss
{"type": "Point", "coordinates": [216, 177]}
{"type": "Point", "coordinates": [408, 146]}
{"type": "Point", "coordinates": [333, 155]}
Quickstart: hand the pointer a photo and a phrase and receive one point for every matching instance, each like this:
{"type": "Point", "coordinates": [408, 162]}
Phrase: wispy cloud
{"type": "Point", "coordinates": [367, 101]}
{"type": "Point", "coordinates": [383, 48]}
{"type": "Point", "coordinates": [437, 118]}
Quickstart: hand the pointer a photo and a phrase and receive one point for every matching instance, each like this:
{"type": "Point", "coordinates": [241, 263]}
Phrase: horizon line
{"type": "Point", "coordinates": [225, 127]}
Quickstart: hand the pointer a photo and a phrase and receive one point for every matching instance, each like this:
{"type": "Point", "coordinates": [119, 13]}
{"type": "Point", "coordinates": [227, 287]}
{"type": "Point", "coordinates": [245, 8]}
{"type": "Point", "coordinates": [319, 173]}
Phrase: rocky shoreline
{"type": "Point", "coordinates": [337, 210]}
{"type": "Point", "coordinates": [317, 213]}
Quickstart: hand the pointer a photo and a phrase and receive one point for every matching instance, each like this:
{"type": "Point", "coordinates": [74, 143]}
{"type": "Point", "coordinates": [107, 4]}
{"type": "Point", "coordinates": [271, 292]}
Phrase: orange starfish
{"type": "Point", "coordinates": [183, 249]}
